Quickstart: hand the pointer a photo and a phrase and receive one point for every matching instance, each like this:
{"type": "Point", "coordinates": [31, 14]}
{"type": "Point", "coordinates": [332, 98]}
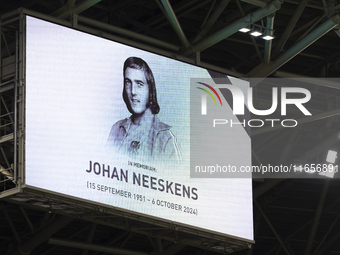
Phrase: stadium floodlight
{"type": "Point", "coordinates": [331, 156]}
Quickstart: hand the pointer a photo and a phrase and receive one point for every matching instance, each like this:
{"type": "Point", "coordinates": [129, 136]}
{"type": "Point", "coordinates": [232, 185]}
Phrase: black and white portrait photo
{"type": "Point", "coordinates": [142, 134]}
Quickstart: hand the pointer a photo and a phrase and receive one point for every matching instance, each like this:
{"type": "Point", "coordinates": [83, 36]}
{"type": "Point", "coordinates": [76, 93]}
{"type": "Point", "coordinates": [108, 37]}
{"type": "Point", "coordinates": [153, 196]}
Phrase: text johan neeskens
{"type": "Point", "coordinates": [145, 181]}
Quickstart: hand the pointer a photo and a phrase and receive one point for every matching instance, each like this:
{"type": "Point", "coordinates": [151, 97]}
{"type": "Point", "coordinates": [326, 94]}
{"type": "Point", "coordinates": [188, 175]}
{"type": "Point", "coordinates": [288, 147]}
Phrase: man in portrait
{"type": "Point", "coordinates": [142, 135]}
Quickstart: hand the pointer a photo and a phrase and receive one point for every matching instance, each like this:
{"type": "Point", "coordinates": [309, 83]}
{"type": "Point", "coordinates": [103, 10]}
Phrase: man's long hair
{"type": "Point", "coordinates": [140, 64]}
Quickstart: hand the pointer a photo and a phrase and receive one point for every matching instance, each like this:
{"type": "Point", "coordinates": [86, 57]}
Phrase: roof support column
{"type": "Point", "coordinates": [42, 235]}
{"type": "Point", "coordinates": [331, 243]}
{"type": "Point", "coordinates": [128, 33]}
{"type": "Point", "coordinates": [268, 43]}
{"type": "Point", "coordinates": [158, 244]}
{"type": "Point", "coordinates": [250, 36]}
{"type": "Point", "coordinates": [90, 236]}
{"type": "Point", "coordinates": [234, 27]}
{"type": "Point", "coordinates": [315, 23]}
{"type": "Point", "coordinates": [289, 28]}
{"type": "Point", "coordinates": [327, 233]}
{"type": "Point", "coordinates": [317, 217]}
{"type": "Point", "coordinates": [211, 20]}
{"type": "Point", "coordinates": [94, 247]}
{"type": "Point", "coordinates": [28, 221]}
{"type": "Point", "coordinates": [303, 226]}
{"type": "Point", "coordinates": [14, 231]}
{"type": "Point", "coordinates": [302, 120]}
{"type": "Point", "coordinates": [330, 83]}
{"type": "Point", "coordinates": [321, 147]}
{"type": "Point", "coordinates": [256, 2]}
{"type": "Point", "coordinates": [265, 70]}
{"type": "Point", "coordinates": [82, 6]}
{"type": "Point", "coordinates": [68, 6]}
{"type": "Point", "coordinates": [175, 24]}
{"type": "Point", "coordinates": [293, 138]}
{"type": "Point", "coordinates": [272, 228]}
{"type": "Point", "coordinates": [266, 186]}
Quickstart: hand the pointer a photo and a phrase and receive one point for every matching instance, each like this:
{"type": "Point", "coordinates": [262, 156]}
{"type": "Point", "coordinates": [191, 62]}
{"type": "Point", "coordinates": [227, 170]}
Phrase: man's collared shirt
{"type": "Point", "coordinates": [152, 139]}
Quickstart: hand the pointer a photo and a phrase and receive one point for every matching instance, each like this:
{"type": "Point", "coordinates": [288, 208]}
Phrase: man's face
{"type": "Point", "coordinates": [137, 90]}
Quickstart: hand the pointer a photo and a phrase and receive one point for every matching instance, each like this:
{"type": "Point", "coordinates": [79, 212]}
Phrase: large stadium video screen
{"type": "Point", "coordinates": [124, 127]}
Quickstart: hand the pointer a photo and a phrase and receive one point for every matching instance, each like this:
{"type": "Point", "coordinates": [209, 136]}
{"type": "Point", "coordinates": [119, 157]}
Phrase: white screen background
{"type": "Point", "coordinates": [74, 85]}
